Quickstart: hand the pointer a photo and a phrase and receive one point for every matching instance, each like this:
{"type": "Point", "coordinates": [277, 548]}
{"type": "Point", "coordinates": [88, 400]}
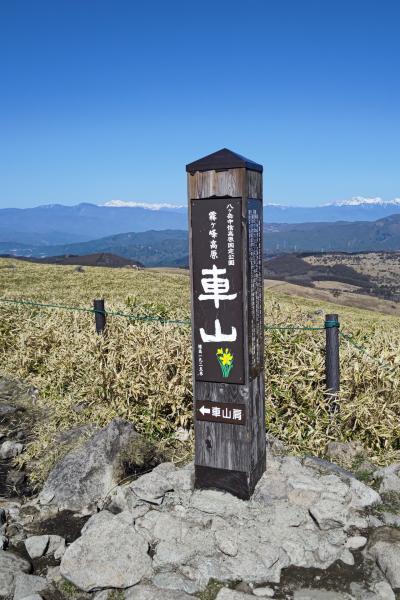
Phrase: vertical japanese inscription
{"type": "Point", "coordinates": [217, 289]}
{"type": "Point", "coordinates": [255, 286]}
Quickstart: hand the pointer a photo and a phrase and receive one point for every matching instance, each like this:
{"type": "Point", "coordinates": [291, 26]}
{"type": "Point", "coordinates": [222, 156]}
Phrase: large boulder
{"type": "Point", "coordinates": [86, 475]}
{"type": "Point", "coordinates": [109, 554]}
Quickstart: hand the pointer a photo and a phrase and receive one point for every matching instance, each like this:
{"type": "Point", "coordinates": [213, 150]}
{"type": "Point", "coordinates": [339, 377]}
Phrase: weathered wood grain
{"type": "Point", "coordinates": [206, 184]}
{"type": "Point", "coordinates": [254, 185]}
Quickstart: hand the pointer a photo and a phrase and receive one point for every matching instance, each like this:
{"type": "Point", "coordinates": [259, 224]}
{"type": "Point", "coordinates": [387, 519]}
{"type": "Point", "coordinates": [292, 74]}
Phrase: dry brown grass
{"type": "Point", "coordinates": [142, 371]}
{"type": "Point", "coordinates": [382, 267]}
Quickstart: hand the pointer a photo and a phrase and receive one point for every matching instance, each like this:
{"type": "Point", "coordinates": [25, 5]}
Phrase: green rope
{"type": "Point", "coordinates": [156, 319]}
{"type": "Point", "coordinates": [327, 325]}
{"type": "Point", "coordinates": [331, 324]}
{"type": "Point", "coordinates": [40, 305]}
{"type": "Point", "coordinates": [93, 310]}
{"type": "Point", "coordinates": [292, 328]}
{"type": "Point", "coordinates": [146, 318]}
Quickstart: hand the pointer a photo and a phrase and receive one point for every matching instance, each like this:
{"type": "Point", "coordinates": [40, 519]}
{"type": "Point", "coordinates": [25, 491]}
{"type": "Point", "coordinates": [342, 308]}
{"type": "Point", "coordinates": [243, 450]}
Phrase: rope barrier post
{"type": "Point", "coordinates": [99, 315]}
{"type": "Point", "coordinates": [332, 362]}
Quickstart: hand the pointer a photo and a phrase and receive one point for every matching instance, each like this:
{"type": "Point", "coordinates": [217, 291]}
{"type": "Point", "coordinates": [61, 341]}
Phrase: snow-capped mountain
{"type": "Point", "coordinates": [131, 204]}
{"type": "Point", "coordinates": [56, 223]}
{"type": "Point", "coordinates": [361, 201]}
{"type": "Point", "coordinates": [357, 208]}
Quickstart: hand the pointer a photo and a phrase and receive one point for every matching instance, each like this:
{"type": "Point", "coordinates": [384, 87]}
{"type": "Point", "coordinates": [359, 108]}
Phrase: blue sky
{"type": "Point", "coordinates": [109, 100]}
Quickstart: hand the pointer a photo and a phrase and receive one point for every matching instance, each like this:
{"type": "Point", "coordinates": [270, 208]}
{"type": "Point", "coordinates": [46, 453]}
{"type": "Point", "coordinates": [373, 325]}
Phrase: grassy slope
{"type": "Point", "coordinates": [324, 293]}
{"type": "Point", "coordinates": [142, 371]}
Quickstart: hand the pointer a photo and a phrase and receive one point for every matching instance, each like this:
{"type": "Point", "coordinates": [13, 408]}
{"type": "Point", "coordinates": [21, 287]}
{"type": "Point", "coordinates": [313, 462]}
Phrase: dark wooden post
{"type": "Point", "coordinates": [226, 229]}
{"type": "Point", "coordinates": [99, 315]}
{"type": "Point", "coordinates": [332, 362]}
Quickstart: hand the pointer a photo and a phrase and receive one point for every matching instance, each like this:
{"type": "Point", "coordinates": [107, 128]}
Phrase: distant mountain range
{"type": "Point", "coordinates": [56, 224]}
{"type": "Point", "coordinates": [383, 234]}
{"type": "Point", "coordinates": [170, 247]}
{"type": "Point", "coordinates": [155, 248]}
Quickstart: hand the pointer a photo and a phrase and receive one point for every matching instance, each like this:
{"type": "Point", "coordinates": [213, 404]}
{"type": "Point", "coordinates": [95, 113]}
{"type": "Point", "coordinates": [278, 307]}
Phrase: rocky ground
{"type": "Point", "coordinates": [312, 530]}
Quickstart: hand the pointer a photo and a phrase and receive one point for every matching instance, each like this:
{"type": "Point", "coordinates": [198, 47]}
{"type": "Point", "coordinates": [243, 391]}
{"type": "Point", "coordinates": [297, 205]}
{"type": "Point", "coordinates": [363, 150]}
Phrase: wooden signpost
{"type": "Point", "coordinates": [226, 227]}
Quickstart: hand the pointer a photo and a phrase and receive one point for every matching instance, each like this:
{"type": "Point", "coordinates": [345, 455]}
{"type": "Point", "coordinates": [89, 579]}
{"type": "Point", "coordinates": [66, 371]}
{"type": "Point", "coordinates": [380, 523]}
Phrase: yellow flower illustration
{"type": "Point", "coordinates": [225, 359]}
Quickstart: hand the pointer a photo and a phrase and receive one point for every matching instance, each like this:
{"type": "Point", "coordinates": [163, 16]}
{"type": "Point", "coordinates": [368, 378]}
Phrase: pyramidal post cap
{"type": "Point", "coordinates": [223, 159]}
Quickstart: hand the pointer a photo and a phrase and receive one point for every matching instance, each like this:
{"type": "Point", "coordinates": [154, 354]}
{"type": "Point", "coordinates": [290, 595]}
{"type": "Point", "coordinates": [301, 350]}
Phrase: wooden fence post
{"type": "Point", "coordinates": [99, 315]}
{"type": "Point", "coordinates": [332, 361]}
{"type": "Point", "coordinates": [226, 252]}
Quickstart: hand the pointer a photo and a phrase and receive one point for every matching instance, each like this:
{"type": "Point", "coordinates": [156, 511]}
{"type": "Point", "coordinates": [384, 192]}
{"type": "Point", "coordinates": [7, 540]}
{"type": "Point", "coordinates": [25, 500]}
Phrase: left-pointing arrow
{"type": "Point", "coordinates": [205, 410]}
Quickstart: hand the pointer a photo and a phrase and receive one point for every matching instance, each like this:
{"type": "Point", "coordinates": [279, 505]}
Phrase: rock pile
{"type": "Point", "coordinates": [158, 538]}
{"type": "Point", "coordinates": [312, 530]}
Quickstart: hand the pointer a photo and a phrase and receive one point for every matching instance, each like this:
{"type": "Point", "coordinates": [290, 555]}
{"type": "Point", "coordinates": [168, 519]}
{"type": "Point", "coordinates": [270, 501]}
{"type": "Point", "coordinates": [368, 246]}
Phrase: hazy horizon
{"type": "Point", "coordinates": [175, 205]}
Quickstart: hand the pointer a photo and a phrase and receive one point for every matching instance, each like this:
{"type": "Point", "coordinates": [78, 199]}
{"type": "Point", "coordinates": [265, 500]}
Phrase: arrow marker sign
{"type": "Point", "coordinates": [221, 412]}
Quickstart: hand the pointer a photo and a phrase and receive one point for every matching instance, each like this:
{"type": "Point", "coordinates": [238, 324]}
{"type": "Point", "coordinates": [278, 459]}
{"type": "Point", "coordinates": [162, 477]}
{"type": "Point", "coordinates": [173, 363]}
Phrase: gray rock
{"type": "Point", "coordinates": [306, 594]}
{"type": "Point", "coordinates": [104, 595]}
{"type": "Point", "coordinates": [344, 452]}
{"type": "Point", "coordinates": [27, 585]}
{"type": "Point", "coordinates": [329, 514]}
{"type": "Point", "coordinates": [122, 498]}
{"type": "Point", "coordinates": [110, 554]}
{"type": "Point", "coordinates": [218, 503]}
{"type": "Point", "coordinates": [33, 597]}
{"type": "Point", "coordinates": [228, 594]}
{"type": "Point", "coordinates": [363, 496]}
{"type": "Point", "coordinates": [176, 582]}
{"type": "Point", "coordinates": [97, 520]}
{"type": "Point", "coordinates": [244, 587]}
{"type": "Point", "coordinates": [274, 446]}
{"type": "Point", "coordinates": [36, 545]}
{"type": "Point", "coordinates": [373, 521]}
{"type": "Point", "coordinates": [73, 436]}
{"type": "Point", "coordinates": [387, 556]}
{"type": "Point", "coordinates": [356, 542]}
{"type": "Point", "coordinates": [391, 519]}
{"type": "Point", "coordinates": [324, 466]}
{"type": "Point", "coordinates": [227, 541]}
{"type": "Point", "coordinates": [87, 474]}
{"type": "Point", "coordinates": [153, 486]}
{"type": "Point", "coordinates": [10, 449]}
{"type": "Point", "coordinates": [264, 592]}
{"type": "Point", "coordinates": [9, 409]}
{"type": "Point", "coordinates": [60, 550]}
{"type": "Point", "coordinates": [384, 547]}
{"type": "Point", "coordinates": [56, 545]}
{"type": "Point", "coordinates": [366, 468]}
{"type": "Point", "coordinates": [390, 478]}
{"type": "Point", "coordinates": [11, 565]}
{"type": "Point", "coordinates": [383, 591]}
{"type": "Point", "coordinates": [151, 592]}
{"type": "Point", "coordinates": [53, 574]}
